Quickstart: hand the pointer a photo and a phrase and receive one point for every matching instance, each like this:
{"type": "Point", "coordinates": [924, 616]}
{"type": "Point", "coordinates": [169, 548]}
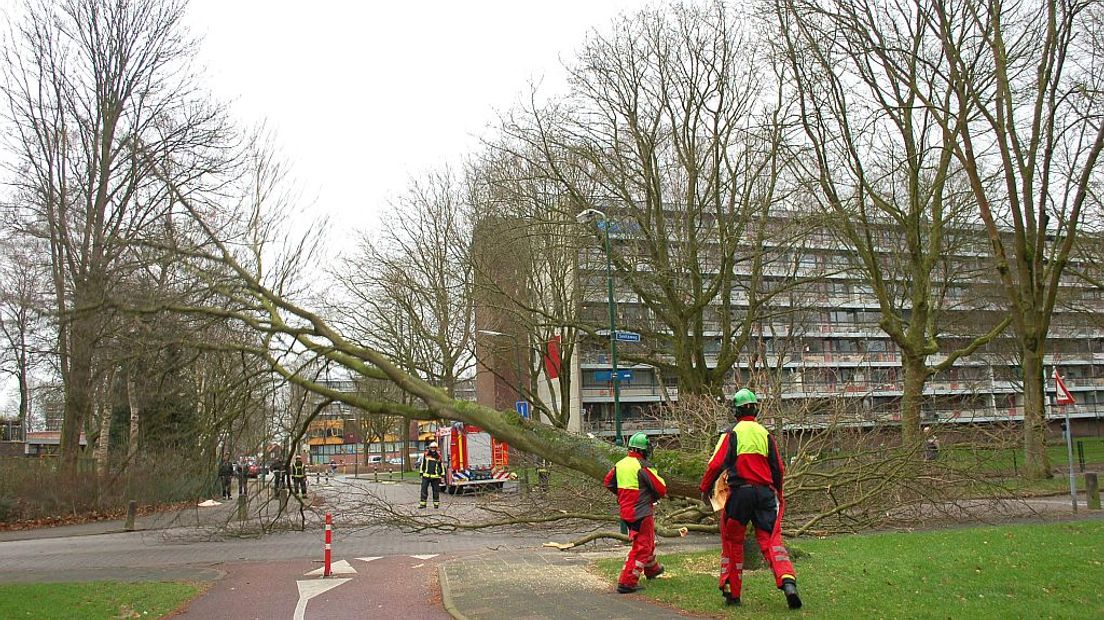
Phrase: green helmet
{"type": "Point", "coordinates": [639, 441]}
{"type": "Point", "coordinates": [744, 397]}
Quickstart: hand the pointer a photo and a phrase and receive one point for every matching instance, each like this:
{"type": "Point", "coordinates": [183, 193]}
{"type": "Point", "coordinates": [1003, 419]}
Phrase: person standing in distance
{"type": "Point", "coordinates": [299, 476]}
{"type": "Point", "coordinates": [432, 470]}
{"type": "Point", "coordinates": [638, 486]}
{"type": "Point", "coordinates": [750, 457]}
{"type": "Point", "coordinates": [226, 473]}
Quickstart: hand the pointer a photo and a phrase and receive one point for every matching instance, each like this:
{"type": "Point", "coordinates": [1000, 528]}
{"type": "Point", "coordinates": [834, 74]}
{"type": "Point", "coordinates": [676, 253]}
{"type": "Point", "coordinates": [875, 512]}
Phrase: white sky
{"type": "Point", "coordinates": [364, 95]}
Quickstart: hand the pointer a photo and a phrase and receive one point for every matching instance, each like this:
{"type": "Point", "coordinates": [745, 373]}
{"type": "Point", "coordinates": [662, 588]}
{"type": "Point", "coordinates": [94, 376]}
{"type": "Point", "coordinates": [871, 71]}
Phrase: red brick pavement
{"type": "Point", "coordinates": [397, 586]}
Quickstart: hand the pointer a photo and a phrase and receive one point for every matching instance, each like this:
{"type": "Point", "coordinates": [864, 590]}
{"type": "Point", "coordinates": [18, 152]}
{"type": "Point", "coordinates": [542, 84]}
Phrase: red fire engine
{"type": "Point", "coordinates": [473, 459]}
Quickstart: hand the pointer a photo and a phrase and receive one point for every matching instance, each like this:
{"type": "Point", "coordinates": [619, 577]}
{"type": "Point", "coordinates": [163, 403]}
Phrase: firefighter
{"type": "Point", "coordinates": [432, 471]}
{"type": "Point", "coordinates": [638, 486]}
{"type": "Point", "coordinates": [749, 456]}
{"type": "Point", "coordinates": [299, 476]}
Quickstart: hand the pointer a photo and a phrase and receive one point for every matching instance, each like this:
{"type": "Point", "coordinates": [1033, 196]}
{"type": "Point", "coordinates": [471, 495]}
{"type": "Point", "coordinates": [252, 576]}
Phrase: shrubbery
{"type": "Point", "coordinates": [34, 488]}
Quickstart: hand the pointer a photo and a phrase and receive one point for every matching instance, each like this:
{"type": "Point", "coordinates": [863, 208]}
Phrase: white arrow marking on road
{"type": "Point", "coordinates": [340, 567]}
{"type": "Point", "coordinates": [425, 557]}
{"type": "Point", "coordinates": [310, 589]}
{"type": "Point", "coordinates": [372, 558]}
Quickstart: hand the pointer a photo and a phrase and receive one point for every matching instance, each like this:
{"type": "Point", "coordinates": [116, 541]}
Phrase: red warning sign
{"type": "Point", "coordinates": [1062, 393]}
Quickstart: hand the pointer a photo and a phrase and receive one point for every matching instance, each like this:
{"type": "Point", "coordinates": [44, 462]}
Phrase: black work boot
{"type": "Point", "coordinates": [789, 588]}
{"type": "Point", "coordinates": [729, 599]}
{"type": "Point", "coordinates": [655, 574]}
{"type": "Point", "coordinates": [624, 589]}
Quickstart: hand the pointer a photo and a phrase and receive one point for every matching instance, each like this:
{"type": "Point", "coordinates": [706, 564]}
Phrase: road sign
{"type": "Point", "coordinates": [627, 336]}
{"type": "Point", "coordinates": [605, 375]}
{"type": "Point", "coordinates": [1062, 393]}
{"type": "Point", "coordinates": [522, 407]}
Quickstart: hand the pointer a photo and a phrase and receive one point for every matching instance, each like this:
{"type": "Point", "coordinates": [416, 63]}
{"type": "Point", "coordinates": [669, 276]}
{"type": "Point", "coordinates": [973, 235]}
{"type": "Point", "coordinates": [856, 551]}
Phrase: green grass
{"type": "Point", "coordinates": [93, 600]}
{"type": "Point", "coordinates": [1021, 571]}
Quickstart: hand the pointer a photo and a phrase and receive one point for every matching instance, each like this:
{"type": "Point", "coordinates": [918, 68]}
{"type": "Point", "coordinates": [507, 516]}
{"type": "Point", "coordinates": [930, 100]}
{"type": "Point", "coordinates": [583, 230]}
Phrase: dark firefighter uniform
{"type": "Point", "coordinates": [432, 470]}
{"type": "Point", "coordinates": [750, 457]}
{"type": "Point", "coordinates": [299, 477]}
{"type": "Point", "coordinates": [638, 486]}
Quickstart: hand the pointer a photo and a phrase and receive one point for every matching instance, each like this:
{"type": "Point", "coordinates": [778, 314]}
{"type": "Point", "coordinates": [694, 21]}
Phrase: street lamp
{"type": "Point", "coordinates": [586, 216]}
{"type": "Point", "coordinates": [517, 356]}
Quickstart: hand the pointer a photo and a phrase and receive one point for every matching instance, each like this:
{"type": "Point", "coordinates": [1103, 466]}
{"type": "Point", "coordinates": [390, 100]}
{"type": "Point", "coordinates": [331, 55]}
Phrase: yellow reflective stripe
{"type": "Point", "coordinates": [717, 448]}
{"type": "Point", "coordinates": [751, 438]}
{"type": "Point", "coordinates": [656, 474]}
{"type": "Point", "coordinates": [628, 471]}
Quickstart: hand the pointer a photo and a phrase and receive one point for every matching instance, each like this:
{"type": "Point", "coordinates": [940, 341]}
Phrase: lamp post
{"type": "Point", "coordinates": [517, 356]}
{"type": "Point", "coordinates": [584, 217]}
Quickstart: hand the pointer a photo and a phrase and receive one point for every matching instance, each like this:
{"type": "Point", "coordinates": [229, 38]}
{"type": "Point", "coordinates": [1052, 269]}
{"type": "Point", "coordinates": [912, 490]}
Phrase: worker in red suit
{"type": "Point", "coordinates": [638, 487]}
{"type": "Point", "coordinates": [749, 456]}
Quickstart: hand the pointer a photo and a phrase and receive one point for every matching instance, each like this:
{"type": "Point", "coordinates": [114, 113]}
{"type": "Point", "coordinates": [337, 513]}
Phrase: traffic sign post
{"type": "Point", "coordinates": [1062, 396]}
{"type": "Point", "coordinates": [522, 407]}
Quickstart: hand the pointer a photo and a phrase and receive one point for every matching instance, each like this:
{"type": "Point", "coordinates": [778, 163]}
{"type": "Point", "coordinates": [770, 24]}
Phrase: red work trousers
{"type": "Point", "coordinates": [641, 558]}
{"type": "Point", "coordinates": [768, 533]}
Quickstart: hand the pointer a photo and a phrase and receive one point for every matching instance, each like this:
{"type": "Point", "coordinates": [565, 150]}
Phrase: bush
{"type": "Point", "coordinates": [7, 509]}
{"type": "Point", "coordinates": [34, 487]}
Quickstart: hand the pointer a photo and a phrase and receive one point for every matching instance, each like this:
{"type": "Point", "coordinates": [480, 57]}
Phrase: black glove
{"type": "Point", "coordinates": [705, 498]}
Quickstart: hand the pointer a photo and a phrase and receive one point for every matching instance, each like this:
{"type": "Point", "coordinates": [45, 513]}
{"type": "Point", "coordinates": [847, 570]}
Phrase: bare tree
{"type": "Point", "coordinates": [673, 132]}
{"type": "Point", "coordinates": [83, 82]}
{"type": "Point", "coordinates": [409, 289]}
{"type": "Point", "coordinates": [872, 95]}
{"type": "Point", "coordinates": [23, 324]}
{"type": "Point", "coordinates": [1026, 84]}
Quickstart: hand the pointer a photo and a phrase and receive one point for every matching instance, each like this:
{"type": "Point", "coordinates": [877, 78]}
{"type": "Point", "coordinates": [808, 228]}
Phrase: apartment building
{"type": "Point", "coordinates": [342, 433]}
{"type": "Point", "coordinates": [823, 354]}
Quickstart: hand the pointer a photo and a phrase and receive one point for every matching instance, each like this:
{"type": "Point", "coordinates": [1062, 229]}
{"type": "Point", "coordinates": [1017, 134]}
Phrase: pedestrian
{"type": "Point", "coordinates": [242, 471]}
{"type": "Point", "coordinates": [931, 445]}
{"type": "Point", "coordinates": [333, 468]}
{"type": "Point", "coordinates": [225, 473]}
{"type": "Point", "coordinates": [749, 456]}
{"type": "Point", "coordinates": [638, 487]}
{"type": "Point", "coordinates": [432, 470]}
{"type": "Point", "coordinates": [299, 476]}
{"type": "Point", "coordinates": [277, 469]}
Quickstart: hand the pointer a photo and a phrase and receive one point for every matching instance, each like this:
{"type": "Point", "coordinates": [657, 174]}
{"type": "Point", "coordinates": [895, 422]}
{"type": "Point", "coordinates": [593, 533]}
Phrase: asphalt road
{"type": "Point", "coordinates": [267, 576]}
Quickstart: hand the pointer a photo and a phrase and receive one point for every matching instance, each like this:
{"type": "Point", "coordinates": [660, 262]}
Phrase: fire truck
{"type": "Point", "coordinates": [473, 459]}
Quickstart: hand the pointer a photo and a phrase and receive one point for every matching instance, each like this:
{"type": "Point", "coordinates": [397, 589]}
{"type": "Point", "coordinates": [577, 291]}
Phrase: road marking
{"type": "Point", "coordinates": [311, 588]}
{"type": "Point", "coordinates": [371, 558]}
{"type": "Point", "coordinates": [425, 557]}
{"type": "Point", "coordinates": [340, 567]}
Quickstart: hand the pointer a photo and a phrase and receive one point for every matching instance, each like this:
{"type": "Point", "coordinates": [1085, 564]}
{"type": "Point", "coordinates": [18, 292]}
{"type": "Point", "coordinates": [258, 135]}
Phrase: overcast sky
{"type": "Point", "coordinates": [363, 95]}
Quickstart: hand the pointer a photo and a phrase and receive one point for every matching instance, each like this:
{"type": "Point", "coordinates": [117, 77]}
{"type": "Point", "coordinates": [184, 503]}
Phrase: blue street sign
{"type": "Point", "coordinates": [522, 407]}
{"type": "Point", "coordinates": [604, 375]}
{"type": "Point", "coordinates": [627, 336]}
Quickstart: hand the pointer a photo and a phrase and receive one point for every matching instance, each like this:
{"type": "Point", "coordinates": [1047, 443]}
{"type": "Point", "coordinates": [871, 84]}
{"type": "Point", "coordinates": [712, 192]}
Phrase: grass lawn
{"type": "Point", "coordinates": [1020, 571]}
{"type": "Point", "coordinates": [93, 600]}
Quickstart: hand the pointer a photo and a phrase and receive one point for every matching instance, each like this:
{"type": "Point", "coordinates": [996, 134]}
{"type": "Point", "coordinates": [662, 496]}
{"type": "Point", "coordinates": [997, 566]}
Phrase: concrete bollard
{"type": "Point", "coordinates": [132, 513]}
{"type": "Point", "coordinates": [1092, 491]}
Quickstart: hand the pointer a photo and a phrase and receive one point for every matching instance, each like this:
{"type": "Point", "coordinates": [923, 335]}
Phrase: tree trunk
{"type": "Point", "coordinates": [1036, 462]}
{"type": "Point", "coordinates": [103, 406]}
{"type": "Point", "coordinates": [912, 399]}
{"type": "Point", "coordinates": [78, 391]}
{"type": "Point", "coordinates": [132, 404]}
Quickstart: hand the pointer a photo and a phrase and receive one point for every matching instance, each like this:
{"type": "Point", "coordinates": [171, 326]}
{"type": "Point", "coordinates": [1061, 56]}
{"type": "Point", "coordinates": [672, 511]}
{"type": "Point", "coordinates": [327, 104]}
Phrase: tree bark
{"type": "Point", "coordinates": [1036, 461]}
